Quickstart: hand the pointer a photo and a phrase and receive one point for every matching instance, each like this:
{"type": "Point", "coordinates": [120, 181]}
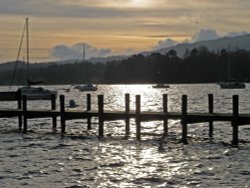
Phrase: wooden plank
{"type": "Point", "coordinates": [9, 96]}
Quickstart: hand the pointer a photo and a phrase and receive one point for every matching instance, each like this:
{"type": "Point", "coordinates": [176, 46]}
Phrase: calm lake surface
{"type": "Point", "coordinates": [79, 159]}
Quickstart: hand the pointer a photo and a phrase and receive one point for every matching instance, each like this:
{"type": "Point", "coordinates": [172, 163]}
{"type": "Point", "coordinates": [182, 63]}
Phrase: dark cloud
{"type": "Point", "coordinates": [165, 44]}
{"type": "Point", "coordinates": [235, 34]}
{"type": "Point", "coordinates": [82, 9]}
{"type": "Point", "coordinates": [201, 35]}
{"type": "Point", "coordinates": [64, 52]}
{"type": "Point", "coordinates": [211, 34]}
{"type": "Point", "coordinates": [205, 34]}
{"type": "Point", "coordinates": [55, 8]}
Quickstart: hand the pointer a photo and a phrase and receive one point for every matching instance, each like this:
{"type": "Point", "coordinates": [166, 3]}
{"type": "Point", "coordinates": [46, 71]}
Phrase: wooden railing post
{"type": "Point", "coordinates": [19, 105]}
{"type": "Point", "coordinates": [100, 112]}
{"type": "Point", "coordinates": [211, 111]}
{"type": "Point", "coordinates": [183, 121]}
{"type": "Point", "coordinates": [88, 109]}
{"type": "Point", "coordinates": [25, 126]}
{"type": "Point", "coordinates": [127, 109]}
{"type": "Point", "coordinates": [138, 119]}
{"type": "Point", "coordinates": [165, 110]}
{"type": "Point", "coordinates": [53, 107]}
{"type": "Point", "coordinates": [235, 134]}
{"type": "Point", "coordinates": [62, 110]}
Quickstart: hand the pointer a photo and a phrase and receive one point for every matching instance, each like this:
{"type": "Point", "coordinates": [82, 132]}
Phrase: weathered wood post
{"type": "Point", "coordinates": [62, 113]}
{"type": "Point", "coordinates": [88, 109]}
{"type": "Point", "coordinates": [100, 115]}
{"type": "Point", "coordinates": [235, 120]}
{"type": "Point", "coordinates": [138, 119]}
{"type": "Point", "coordinates": [211, 111]}
{"type": "Point", "coordinates": [165, 110]}
{"type": "Point", "coordinates": [53, 107]}
{"type": "Point", "coordinates": [25, 126]}
{"type": "Point", "coordinates": [127, 109]}
{"type": "Point", "coordinates": [19, 106]}
{"type": "Point", "coordinates": [183, 120]}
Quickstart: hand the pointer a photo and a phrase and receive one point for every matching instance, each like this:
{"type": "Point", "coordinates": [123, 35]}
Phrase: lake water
{"type": "Point", "coordinates": [79, 159]}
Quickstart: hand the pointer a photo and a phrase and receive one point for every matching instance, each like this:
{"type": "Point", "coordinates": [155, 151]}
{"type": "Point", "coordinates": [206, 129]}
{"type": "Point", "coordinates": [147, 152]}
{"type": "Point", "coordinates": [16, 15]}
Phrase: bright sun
{"type": "Point", "coordinates": [139, 2]}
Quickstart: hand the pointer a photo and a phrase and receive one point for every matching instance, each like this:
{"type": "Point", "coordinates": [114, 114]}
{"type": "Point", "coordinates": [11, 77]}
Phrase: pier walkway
{"type": "Point", "coordinates": [23, 114]}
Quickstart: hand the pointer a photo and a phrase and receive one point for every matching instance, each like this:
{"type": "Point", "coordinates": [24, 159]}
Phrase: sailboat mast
{"type": "Point", "coordinates": [83, 52]}
{"type": "Point", "coordinates": [27, 45]}
{"type": "Point", "coordinates": [229, 64]}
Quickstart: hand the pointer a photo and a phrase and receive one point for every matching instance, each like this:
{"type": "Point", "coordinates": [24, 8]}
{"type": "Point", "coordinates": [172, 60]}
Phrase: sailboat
{"type": "Point", "coordinates": [231, 83]}
{"type": "Point", "coordinates": [88, 86]}
{"type": "Point", "coordinates": [32, 92]}
{"type": "Point", "coordinates": [160, 84]}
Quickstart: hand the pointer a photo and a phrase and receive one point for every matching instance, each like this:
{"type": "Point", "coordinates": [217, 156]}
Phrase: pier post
{"type": "Point", "coordinates": [165, 110]}
{"type": "Point", "coordinates": [138, 112]}
{"type": "Point", "coordinates": [211, 111]}
{"type": "Point", "coordinates": [62, 110]}
{"type": "Point", "coordinates": [183, 121]}
{"type": "Point", "coordinates": [53, 107]}
{"type": "Point", "coordinates": [100, 115]}
{"type": "Point", "coordinates": [127, 109]}
{"type": "Point", "coordinates": [88, 109]}
{"type": "Point", "coordinates": [19, 105]}
{"type": "Point", "coordinates": [25, 126]}
{"type": "Point", "coordinates": [235, 120]}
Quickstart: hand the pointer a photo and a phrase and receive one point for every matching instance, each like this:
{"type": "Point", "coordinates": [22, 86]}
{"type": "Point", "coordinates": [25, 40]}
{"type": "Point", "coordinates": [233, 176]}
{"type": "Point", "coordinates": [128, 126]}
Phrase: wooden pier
{"type": "Point", "coordinates": [23, 114]}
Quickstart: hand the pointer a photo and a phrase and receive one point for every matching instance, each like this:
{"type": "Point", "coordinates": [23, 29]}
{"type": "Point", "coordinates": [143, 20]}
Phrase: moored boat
{"type": "Point", "coordinates": [87, 87]}
{"type": "Point", "coordinates": [29, 91]}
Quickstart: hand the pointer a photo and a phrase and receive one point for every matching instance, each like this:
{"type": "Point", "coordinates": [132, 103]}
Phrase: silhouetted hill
{"type": "Point", "coordinates": [239, 42]}
{"type": "Point", "coordinates": [107, 59]}
{"type": "Point", "coordinates": [9, 66]}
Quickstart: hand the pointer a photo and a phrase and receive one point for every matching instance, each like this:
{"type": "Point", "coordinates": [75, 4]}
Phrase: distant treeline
{"type": "Point", "coordinates": [198, 65]}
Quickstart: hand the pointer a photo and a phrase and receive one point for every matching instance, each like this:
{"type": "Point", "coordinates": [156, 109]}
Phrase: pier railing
{"type": "Point", "coordinates": [23, 114]}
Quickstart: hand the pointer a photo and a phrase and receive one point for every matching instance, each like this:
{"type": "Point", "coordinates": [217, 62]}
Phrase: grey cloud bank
{"type": "Point", "coordinates": [65, 52]}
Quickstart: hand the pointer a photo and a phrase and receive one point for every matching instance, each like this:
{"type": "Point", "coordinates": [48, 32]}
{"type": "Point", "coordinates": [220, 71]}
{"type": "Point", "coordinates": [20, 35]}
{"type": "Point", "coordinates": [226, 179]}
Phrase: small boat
{"type": "Point", "coordinates": [230, 82]}
{"type": "Point", "coordinates": [32, 92]}
{"type": "Point", "coordinates": [161, 86]}
{"type": "Point", "coordinates": [86, 87]}
{"type": "Point", "coordinates": [232, 85]}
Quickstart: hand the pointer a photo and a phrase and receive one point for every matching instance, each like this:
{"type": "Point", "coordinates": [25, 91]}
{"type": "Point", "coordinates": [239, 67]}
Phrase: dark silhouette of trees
{"type": "Point", "coordinates": [198, 65]}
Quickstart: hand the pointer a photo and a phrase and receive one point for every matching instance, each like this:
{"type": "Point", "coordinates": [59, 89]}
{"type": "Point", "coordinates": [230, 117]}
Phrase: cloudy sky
{"type": "Point", "coordinates": [110, 27]}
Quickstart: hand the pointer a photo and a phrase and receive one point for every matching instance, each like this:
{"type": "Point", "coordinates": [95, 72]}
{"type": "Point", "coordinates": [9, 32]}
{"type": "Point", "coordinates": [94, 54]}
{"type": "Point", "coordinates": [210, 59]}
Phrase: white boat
{"type": "Point", "coordinates": [37, 92]}
{"type": "Point", "coordinates": [232, 85]}
{"type": "Point", "coordinates": [161, 86]}
{"type": "Point", "coordinates": [29, 91]}
{"type": "Point", "coordinates": [86, 87]}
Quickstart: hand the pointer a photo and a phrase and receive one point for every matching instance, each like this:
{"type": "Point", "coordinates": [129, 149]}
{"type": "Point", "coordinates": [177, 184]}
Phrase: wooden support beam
{"type": "Point", "coordinates": [235, 134]}
{"type": "Point", "coordinates": [53, 107]}
{"type": "Point", "coordinates": [19, 105]}
{"type": "Point", "coordinates": [127, 109]}
{"type": "Point", "coordinates": [211, 111]}
{"type": "Point", "coordinates": [88, 109]}
{"type": "Point", "coordinates": [138, 120]}
{"type": "Point", "coordinates": [25, 126]}
{"type": "Point", "coordinates": [62, 113]}
{"type": "Point", "coordinates": [183, 121]}
{"type": "Point", "coordinates": [100, 115]}
{"type": "Point", "coordinates": [165, 110]}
